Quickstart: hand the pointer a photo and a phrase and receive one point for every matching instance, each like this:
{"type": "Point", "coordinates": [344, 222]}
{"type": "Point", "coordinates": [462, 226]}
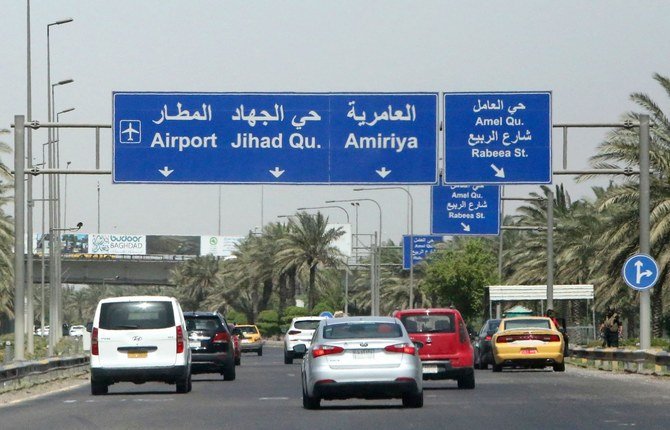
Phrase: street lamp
{"type": "Point", "coordinates": [54, 322]}
{"type": "Point", "coordinates": [375, 272]}
{"type": "Point", "coordinates": [411, 235]}
{"type": "Point", "coordinates": [327, 207]}
{"type": "Point", "coordinates": [67, 166]}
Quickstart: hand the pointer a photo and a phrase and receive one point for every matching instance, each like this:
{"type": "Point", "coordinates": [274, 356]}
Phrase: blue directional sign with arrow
{"type": "Point", "coordinates": [424, 245]}
{"type": "Point", "coordinates": [465, 210]}
{"type": "Point", "coordinates": [640, 272]}
{"type": "Point", "coordinates": [498, 138]}
{"type": "Point", "coordinates": [275, 138]}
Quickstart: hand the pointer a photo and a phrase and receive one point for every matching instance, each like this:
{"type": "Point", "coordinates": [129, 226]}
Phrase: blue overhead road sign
{"type": "Point", "coordinates": [424, 245]}
{"type": "Point", "coordinates": [640, 271]}
{"type": "Point", "coordinates": [465, 210]}
{"type": "Point", "coordinates": [498, 138]}
{"type": "Point", "coordinates": [275, 138]}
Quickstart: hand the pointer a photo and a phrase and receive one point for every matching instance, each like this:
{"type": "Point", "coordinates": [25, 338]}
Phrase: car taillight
{"type": "Point", "coordinates": [95, 350]}
{"type": "Point", "coordinates": [221, 337]}
{"type": "Point", "coordinates": [402, 348]}
{"type": "Point", "coordinates": [321, 350]}
{"type": "Point", "coordinates": [515, 337]}
{"type": "Point", "coordinates": [294, 332]}
{"type": "Point", "coordinates": [487, 338]}
{"type": "Point", "coordinates": [180, 340]}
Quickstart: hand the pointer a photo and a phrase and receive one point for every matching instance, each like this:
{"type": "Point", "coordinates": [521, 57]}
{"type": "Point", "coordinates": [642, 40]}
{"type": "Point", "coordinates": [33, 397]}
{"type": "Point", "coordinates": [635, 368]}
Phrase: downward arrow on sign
{"type": "Point", "coordinates": [383, 172]}
{"type": "Point", "coordinates": [165, 171]}
{"type": "Point", "coordinates": [276, 172]}
{"type": "Point", "coordinates": [466, 227]}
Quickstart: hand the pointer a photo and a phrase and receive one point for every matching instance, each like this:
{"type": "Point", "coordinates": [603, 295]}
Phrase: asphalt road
{"type": "Point", "coordinates": [267, 395]}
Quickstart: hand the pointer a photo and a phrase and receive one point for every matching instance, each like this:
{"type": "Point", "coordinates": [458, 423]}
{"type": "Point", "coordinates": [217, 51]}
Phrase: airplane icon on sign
{"type": "Point", "coordinates": [132, 128]}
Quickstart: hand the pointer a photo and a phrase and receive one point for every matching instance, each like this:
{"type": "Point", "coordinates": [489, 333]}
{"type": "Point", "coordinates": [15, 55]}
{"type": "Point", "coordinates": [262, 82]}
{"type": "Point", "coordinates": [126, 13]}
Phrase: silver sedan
{"type": "Point", "coordinates": [361, 357]}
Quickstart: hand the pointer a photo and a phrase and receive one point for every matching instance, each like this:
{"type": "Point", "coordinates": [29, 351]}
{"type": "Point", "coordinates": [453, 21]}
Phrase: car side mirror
{"type": "Point", "coordinates": [418, 344]}
{"type": "Point", "coordinates": [89, 326]}
{"type": "Point", "coordinates": [300, 348]}
{"type": "Point", "coordinates": [237, 332]}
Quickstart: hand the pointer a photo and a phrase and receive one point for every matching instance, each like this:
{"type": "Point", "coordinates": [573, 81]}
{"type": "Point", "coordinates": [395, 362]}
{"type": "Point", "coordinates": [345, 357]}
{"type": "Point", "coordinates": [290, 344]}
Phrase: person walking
{"type": "Point", "coordinates": [611, 328]}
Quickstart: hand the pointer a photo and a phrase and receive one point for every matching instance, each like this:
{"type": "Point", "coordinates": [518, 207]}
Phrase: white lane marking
{"type": "Point", "coordinates": [290, 374]}
{"type": "Point", "coordinates": [273, 398]}
{"type": "Point", "coordinates": [69, 401]}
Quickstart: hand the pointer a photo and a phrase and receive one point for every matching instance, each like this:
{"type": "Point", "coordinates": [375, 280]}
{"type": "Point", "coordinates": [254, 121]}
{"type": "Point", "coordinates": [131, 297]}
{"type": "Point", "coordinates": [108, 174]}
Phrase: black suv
{"type": "Point", "coordinates": [211, 342]}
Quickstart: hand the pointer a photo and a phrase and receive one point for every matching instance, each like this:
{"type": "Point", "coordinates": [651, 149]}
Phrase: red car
{"type": "Point", "coordinates": [444, 344]}
{"type": "Point", "coordinates": [236, 345]}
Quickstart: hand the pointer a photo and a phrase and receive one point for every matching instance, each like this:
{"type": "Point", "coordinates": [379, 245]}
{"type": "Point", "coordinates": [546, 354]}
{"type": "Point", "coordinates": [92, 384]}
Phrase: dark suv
{"type": "Point", "coordinates": [211, 342]}
{"type": "Point", "coordinates": [444, 343]}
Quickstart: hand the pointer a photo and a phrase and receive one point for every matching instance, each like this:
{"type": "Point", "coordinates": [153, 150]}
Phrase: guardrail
{"type": "Point", "coordinates": [636, 361]}
{"type": "Point", "coordinates": [17, 375]}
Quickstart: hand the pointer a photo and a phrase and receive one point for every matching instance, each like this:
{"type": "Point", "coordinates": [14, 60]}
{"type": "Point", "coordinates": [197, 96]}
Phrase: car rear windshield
{"type": "Point", "coordinates": [365, 330]}
{"type": "Point", "coordinates": [436, 323]}
{"type": "Point", "coordinates": [307, 324]}
{"type": "Point", "coordinates": [493, 325]}
{"type": "Point", "coordinates": [136, 315]}
{"type": "Point", "coordinates": [203, 323]}
{"type": "Point", "coordinates": [247, 329]}
{"type": "Point", "coordinates": [529, 323]}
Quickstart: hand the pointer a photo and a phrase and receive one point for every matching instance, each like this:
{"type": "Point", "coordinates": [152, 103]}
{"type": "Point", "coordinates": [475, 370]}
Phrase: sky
{"type": "Point", "coordinates": [590, 55]}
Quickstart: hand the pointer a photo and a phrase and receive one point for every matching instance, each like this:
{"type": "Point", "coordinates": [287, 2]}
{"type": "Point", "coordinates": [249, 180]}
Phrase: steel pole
{"type": "Point", "coordinates": [645, 302]}
{"type": "Point", "coordinates": [550, 249]}
{"type": "Point", "coordinates": [30, 329]}
{"type": "Point", "coordinates": [19, 205]}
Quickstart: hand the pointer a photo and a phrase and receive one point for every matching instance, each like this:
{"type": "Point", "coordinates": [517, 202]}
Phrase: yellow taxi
{"type": "Point", "coordinates": [250, 339]}
{"type": "Point", "coordinates": [529, 342]}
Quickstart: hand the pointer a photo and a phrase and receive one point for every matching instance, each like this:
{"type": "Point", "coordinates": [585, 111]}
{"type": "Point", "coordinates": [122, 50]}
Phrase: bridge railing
{"type": "Point", "coordinates": [637, 361]}
{"type": "Point", "coordinates": [17, 375]}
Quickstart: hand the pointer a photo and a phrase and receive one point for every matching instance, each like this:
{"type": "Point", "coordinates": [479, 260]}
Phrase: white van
{"type": "Point", "coordinates": [139, 339]}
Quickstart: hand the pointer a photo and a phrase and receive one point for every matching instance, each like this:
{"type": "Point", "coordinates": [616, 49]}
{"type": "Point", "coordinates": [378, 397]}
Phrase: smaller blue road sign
{"type": "Point", "coordinates": [640, 272]}
{"type": "Point", "coordinates": [465, 210]}
{"type": "Point", "coordinates": [497, 138]}
{"type": "Point", "coordinates": [424, 245]}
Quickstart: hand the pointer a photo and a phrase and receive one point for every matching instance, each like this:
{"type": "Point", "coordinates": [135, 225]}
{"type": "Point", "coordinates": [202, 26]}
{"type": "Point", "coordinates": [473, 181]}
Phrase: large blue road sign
{"type": "Point", "coordinates": [424, 245]}
{"type": "Point", "coordinates": [465, 210]}
{"type": "Point", "coordinates": [275, 138]}
{"type": "Point", "coordinates": [498, 138]}
{"type": "Point", "coordinates": [640, 271]}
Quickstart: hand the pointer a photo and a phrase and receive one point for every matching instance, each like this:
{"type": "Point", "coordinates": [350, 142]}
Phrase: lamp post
{"type": "Point", "coordinates": [375, 273]}
{"type": "Point", "coordinates": [54, 323]}
{"type": "Point", "coordinates": [356, 206]}
{"type": "Point", "coordinates": [54, 213]}
{"type": "Point", "coordinates": [29, 191]}
{"type": "Point", "coordinates": [346, 270]}
{"type": "Point", "coordinates": [67, 166]}
{"type": "Point", "coordinates": [411, 235]}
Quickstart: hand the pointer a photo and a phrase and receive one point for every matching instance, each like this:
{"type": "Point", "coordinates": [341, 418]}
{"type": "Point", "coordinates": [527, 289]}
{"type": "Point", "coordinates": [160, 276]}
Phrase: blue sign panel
{"type": "Point", "coordinates": [465, 210]}
{"type": "Point", "coordinates": [423, 246]}
{"type": "Point", "coordinates": [498, 138]}
{"type": "Point", "coordinates": [640, 272]}
{"type": "Point", "coordinates": [275, 138]}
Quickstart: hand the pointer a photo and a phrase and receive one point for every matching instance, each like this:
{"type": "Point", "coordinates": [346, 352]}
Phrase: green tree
{"type": "Point", "coordinates": [6, 238]}
{"type": "Point", "coordinates": [196, 279]}
{"type": "Point", "coordinates": [458, 274]}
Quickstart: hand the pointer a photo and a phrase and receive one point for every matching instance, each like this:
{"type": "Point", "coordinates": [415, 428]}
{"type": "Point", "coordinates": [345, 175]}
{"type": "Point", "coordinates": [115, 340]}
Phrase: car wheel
{"type": "Point", "coordinates": [260, 352]}
{"type": "Point", "coordinates": [98, 389]}
{"type": "Point", "coordinates": [497, 367]}
{"type": "Point", "coordinates": [467, 381]}
{"type": "Point", "coordinates": [413, 400]}
{"type": "Point", "coordinates": [309, 402]}
{"type": "Point", "coordinates": [229, 372]}
{"type": "Point", "coordinates": [288, 357]}
{"type": "Point", "coordinates": [483, 365]}
{"type": "Point", "coordinates": [559, 367]}
{"type": "Point", "coordinates": [238, 361]}
{"type": "Point", "coordinates": [184, 384]}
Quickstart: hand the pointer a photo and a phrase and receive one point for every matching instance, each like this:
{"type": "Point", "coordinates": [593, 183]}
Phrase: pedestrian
{"type": "Point", "coordinates": [611, 327]}
{"type": "Point", "coordinates": [550, 313]}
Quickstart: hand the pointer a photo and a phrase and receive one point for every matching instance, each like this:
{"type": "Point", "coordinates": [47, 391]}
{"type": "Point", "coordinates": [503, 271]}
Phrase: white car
{"type": "Point", "coordinates": [77, 330]}
{"type": "Point", "coordinates": [42, 331]}
{"type": "Point", "coordinates": [362, 357]}
{"type": "Point", "coordinates": [299, 333]}
{"type": "Point", "coordinates": [139, 339]}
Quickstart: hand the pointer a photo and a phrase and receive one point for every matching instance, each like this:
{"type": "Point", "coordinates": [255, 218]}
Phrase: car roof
{"type": "Point", "coordinates": [361, 319]}
{"type": "Point", "coordinates": [525, 318]}
{"type": "Point", "coordinates": [308, 318]}
{"type": "Point", "coordinates": [245, 325]}
{"type": "Point", "coordinates": [427, 311]}
{"type": "Point", "coordinates": [200, 314]}
{"type": "Point", "coordinates": [138, 299]}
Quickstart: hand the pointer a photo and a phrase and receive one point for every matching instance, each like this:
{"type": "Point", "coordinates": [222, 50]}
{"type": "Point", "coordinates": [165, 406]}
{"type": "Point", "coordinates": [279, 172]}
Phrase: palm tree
{"type": "Point", "coordinates": [308, 245]}
{"type": "Point", "coordinates": [620, 149]}
{"type": "Point", "coordinates": [196, 279]}
{"type": "Point", "coordinates": [6, 239]}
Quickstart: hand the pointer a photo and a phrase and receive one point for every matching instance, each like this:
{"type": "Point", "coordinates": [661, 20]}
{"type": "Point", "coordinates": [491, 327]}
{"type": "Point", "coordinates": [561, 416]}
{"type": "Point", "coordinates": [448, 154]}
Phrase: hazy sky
{"type": "Point", "coordinates": [590, 54]}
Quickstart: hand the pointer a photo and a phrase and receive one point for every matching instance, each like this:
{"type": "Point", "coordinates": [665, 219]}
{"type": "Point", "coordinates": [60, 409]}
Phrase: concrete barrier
{"type": "Point", "coordinates": [613, 359]}
{"type": "Point", "coordinates": [25, 374]}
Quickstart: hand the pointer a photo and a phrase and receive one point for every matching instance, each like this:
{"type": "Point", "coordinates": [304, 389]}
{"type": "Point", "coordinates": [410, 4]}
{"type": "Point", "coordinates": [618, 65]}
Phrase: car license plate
{"type": "Point", "coordinates": [430, 368]}
{"type": "Point", "coordinates": [245, 341]}
{"type": "Point", "coordinates": [137, 354]}
{"type": "Point", "coordinates": [529, 351]}
{"type": "Point", "coordinates": [195, 344]}
{"type": "Point", "coordinates": [363, 354]}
